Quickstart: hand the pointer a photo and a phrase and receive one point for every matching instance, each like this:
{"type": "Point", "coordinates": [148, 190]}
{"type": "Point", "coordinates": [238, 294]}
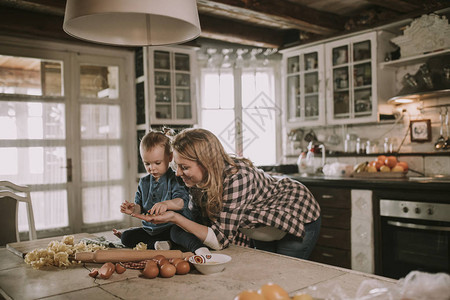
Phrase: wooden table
{"type": "Point", "coordinates": [249, 269]}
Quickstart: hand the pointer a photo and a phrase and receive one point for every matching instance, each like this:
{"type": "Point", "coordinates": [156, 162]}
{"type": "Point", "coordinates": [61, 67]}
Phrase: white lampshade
{"type": "Point", "coordinates": [132, 22]}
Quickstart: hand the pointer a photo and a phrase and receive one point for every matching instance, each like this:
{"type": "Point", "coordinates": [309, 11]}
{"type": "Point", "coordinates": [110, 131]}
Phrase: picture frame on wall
{"type": "Point", "coordinates": [420, 130]}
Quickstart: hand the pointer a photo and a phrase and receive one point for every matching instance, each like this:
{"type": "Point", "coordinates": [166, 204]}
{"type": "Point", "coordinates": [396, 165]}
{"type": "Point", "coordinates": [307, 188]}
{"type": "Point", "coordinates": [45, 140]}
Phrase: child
{"type": "Point", "coordinates": [157, 192]}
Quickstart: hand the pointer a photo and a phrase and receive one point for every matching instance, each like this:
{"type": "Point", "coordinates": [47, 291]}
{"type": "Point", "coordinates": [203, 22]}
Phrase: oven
{"type": "Point", "coordinates": [414, 236]}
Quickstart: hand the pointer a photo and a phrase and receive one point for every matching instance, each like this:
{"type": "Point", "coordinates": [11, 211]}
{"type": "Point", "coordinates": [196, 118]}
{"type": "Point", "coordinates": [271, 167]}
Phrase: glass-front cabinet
{"type": "Point", "coordinates": [351, 80]}
{"type": "Point", "coordinates": [164, 86]}
{"type": "Point", "coordinates": [171, 89]}
{"type": "Point", "coordinates": [305, 89]}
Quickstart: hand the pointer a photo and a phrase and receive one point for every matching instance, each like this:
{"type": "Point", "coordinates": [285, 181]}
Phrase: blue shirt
{"type": "Point", "coordinates": [150, 192]}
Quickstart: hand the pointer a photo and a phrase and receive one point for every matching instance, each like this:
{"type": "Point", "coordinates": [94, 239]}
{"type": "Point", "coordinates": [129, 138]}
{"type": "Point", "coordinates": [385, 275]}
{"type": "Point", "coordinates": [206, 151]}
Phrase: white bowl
{"type": "Point", "coordinates": [210, 263]}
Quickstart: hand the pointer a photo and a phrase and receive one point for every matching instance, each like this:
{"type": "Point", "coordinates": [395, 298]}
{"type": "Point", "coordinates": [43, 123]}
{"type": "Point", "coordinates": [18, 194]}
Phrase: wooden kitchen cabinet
{"type": "Point", "coordinates": [304, 86]}
{"type": "Point", "coordinates": [334, 244]}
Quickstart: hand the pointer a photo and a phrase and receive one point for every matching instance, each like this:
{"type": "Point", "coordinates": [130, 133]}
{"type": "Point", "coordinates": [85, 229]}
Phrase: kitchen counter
{"type": "Point", "coordinates": [249, 269]}
{"type": "Point", "coordinates": [408, 183]}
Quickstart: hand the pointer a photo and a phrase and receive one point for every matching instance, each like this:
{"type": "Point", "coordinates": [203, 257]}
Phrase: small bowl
{"type": "Point", "coordinates": [210, 263]}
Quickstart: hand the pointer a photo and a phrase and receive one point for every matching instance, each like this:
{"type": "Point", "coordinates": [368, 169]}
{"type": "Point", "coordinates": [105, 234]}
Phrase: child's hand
{"type": "Point", "coordinates": [158, 209]}
{"type": "Point", "coordinates": [127, 207]}
{"type": "Point", "coordinates": [163, 218]}
{"type": "Point", "coordinates": [144, 217]}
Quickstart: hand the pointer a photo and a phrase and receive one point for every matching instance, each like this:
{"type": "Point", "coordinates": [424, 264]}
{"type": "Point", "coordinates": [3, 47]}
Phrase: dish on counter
{"type": "Point", "coordinates": [210, 263]}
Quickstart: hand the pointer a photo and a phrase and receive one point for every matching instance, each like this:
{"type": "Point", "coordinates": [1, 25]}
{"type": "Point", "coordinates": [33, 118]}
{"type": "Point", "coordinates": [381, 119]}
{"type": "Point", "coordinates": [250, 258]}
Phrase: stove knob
{"type": "Point", "coordinates": [417, 210]}
{"type": "Point", "coordinates": [405, 209]}
{"type": "Point", "coordinates": [430, 211]}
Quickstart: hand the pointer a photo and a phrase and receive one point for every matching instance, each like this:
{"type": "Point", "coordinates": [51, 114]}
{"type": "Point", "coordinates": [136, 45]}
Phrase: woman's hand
{"type": "Point", "coordinates": [127, 207]}
{"type": "Point", "coordinates": [159, 208]}
{"type": "Point", "coordinates": [166, 217]}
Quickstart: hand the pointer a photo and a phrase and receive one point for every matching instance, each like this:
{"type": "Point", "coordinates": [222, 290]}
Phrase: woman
{"type": "Point", "coordinates": [232, 197]}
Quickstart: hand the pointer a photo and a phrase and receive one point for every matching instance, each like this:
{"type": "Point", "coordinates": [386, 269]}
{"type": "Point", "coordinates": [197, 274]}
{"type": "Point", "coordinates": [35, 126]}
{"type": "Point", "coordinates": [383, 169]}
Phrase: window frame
{"type": "Point", "coordinates": [238, 110]}
{"type": "Point", "coordinates": [70, 55]}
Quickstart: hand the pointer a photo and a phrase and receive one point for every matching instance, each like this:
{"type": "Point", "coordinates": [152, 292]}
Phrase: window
{"type": "Point", "coordinates": [238, 106]}
{"type": "Point", "coordinates": [62, 133]}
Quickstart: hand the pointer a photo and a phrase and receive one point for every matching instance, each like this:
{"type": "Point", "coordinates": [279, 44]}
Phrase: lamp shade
{"type": "Point", "coordinates": [132, 22]}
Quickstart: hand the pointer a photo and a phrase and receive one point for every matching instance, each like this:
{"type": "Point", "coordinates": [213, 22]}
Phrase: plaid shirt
{"type": "Point", "coordinates": [252, 198]}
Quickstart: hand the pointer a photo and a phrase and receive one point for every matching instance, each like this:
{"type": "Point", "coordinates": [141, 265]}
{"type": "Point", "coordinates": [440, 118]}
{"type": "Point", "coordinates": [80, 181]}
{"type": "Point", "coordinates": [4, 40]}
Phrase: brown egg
{"type": "Point", "coordinates": [151, 262]}
{"type": "Point", "coordinates": [120, 269]}
{"type": "Point", "coordinates": [157, 258]}
{"type": "Point", "coordinates": [93, 273]}
{"type": "Point", "coordinates": [150, 270]}
{"type": "Point", "coordinates": [167, 270]}
{"type": "Point", "coordinates": [163, 262]}
{"type": "Point", "coordinates": [182, 267]}
{"type": "Point", "coordinates": [174, 261]}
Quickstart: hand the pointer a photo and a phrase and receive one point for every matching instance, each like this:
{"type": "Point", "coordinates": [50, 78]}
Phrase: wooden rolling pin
{"type": "Point", "coordinates": [127, 255]}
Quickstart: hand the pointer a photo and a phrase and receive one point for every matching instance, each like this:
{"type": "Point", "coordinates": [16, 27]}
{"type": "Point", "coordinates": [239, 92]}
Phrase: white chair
{"type": "Point", "coordinates": [10, 196]}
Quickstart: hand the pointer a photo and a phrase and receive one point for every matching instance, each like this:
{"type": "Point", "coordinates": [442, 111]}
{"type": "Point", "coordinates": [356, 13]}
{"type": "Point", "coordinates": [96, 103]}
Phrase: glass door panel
{"type": "Point", "coordinates": [311, 83]}
{"type": "Point", "coordinates": [341, 99]}
{"type": "Point", "coordinates": [340, 55]}
{"type": "Point", "coordinates": [293, 97]}
{"type": "Point", "coordinates": [30, 76]}
{"type": "Point", "coordinates": [362, 75]}
{"type": "Point", "coordinates": [162, 60]}
{"type": "Point", "coordinates": [182, 62]}
{"type": "Point", "coordinates": [184, 112]}
{"type": "Point", "coordinates": [163, 111]}
{"type": "Point", "coordinates": [363, 101]}
{"type": "Point", "coordinates": [32, 136]}
{"type": "Point", "coordinates": [163, 95]}
{"type": "Point", "coordinates": [311, 61]}
{"type": "Point", "coordinates": [182, 80]}
{"type": "Point", "coordinates": [99, 81]}
{"type": "Point", "coordinates": [183, 95]}
{"type": "Point", "coordinates": [362, 51]}
{"type": "Point", "coordinates": [162, 78]}
{"type": "Point", "coordinates": [341, 104]}
{"type": "Point", "coordinates": [293, 65]}
{"type": "Point", "coordinates": [311, 107]}
{"type": "Point", "coordinates": [102, 153]}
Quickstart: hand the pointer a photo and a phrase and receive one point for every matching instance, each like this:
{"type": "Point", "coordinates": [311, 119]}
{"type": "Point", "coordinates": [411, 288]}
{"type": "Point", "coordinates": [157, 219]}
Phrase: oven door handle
{"type": "Point", "coordinates": [418, 226]}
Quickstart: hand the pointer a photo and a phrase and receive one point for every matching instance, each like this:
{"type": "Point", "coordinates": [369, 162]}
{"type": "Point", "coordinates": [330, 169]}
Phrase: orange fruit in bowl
{"type": "Point", "coordinates": [404, 165]}
{"type": "Point", "coordinates": [381, 159]}
{"type": "Point", "coordinates": [390, 161]}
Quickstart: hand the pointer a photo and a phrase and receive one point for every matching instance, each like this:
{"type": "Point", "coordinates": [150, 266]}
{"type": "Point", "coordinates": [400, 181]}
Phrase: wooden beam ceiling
{"type": "Point", "coordinates": [258, 23]}
{"type": "Point", "coordinates": [276, 14]}
{"type": "Point", "coordinates": [401, 6]}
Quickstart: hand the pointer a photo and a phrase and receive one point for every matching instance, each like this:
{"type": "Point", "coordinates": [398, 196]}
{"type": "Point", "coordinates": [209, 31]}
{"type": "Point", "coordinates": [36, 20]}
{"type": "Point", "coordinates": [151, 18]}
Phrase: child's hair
{"type": "Point", "coordinates": [154, 138]}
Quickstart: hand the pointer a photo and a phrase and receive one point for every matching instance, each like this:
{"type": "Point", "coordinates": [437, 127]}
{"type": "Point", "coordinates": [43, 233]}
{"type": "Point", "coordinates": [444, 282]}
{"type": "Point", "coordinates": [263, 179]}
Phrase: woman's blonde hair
{"type": "Point", "coordinates": [203, 147]}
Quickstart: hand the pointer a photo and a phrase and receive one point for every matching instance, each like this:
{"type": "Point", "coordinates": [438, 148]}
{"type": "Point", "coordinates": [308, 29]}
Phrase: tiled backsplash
{"type": "Point", "coordinates": [428, 164]}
